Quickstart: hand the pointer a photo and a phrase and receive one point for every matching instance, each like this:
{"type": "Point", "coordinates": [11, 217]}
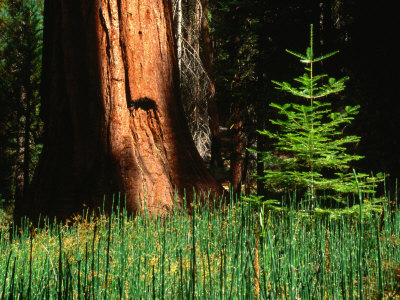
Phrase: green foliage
{"type": "Point", "coordinates": [258, 200]}
{"type": "Point", "coordinates": [310, 145]}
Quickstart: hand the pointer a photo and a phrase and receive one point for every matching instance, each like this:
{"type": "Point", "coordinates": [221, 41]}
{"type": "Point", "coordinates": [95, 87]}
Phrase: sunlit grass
{"type": "Point", "coordinates": [213, 254]}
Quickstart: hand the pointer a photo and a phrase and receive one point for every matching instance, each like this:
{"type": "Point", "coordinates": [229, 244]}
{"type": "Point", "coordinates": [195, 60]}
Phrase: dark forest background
{"type": "Point", "coordinates": [249, 39]}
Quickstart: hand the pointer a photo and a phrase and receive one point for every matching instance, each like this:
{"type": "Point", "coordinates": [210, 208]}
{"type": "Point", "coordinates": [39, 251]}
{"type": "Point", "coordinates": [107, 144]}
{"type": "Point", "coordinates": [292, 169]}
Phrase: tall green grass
{"type": "Point", "coordinates": [220, 253]}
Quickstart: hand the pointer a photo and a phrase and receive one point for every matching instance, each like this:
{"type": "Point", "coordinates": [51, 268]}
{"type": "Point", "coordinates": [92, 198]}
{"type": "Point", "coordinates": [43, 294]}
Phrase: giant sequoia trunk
{"type": "Point", "coordinates": [113, 118]}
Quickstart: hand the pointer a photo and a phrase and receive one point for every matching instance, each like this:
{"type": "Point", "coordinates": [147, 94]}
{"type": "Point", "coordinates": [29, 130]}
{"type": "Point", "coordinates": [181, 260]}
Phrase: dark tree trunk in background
{"type": "Point", "coordinates": [20, 155]}
{"type": "Point", "coordinates": [236, 162]}
{"type": "Point", "coordinates": [261, 111]}
{"type": "Point", "coordinates": [22, 175]}
{"type": "Point", "coordinates": [99, 58]}
{"type": "Point", "coordinates": [238, 141]}
{"type": "Point", "coordinates": [28, 119]}
{"type": "Point", "coordinates": [207, 59]}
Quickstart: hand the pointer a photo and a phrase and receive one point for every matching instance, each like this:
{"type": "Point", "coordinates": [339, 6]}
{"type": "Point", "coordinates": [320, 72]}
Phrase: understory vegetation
{"type": "Point", "coordinates": [215, 253]}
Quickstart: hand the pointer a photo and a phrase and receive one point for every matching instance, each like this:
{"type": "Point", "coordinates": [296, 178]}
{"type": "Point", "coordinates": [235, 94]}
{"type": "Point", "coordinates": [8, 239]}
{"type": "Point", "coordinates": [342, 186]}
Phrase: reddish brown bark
{"type": "Point", "coordinates": [113, 118]}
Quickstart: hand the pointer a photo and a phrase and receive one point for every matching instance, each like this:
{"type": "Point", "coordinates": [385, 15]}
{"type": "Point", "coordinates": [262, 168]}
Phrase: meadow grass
{"type": "Point", "coordinates": [234, 252]}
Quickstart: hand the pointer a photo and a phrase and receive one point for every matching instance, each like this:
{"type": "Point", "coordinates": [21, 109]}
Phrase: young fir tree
{"type": "Point", "coordinates": [310, 147]}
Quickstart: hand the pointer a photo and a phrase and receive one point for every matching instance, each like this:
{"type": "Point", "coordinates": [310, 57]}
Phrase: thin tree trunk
{"type": "Point", "coordinates": [261, 104]}
{"type": "Point", "coordinates": [207, 59]}
{"type": "Point", "coordinates": [113, 117]}
{"type": "Point", "coordinates": [20, 97]}
{"type": "Point", "coordinates": [29, 96]}
{"type": "Point", "coordinates": [19, 168]}
{"type": "Point", "coordinates": [236, 163]}
{"type": "Point", "coordinates": [179, 25]}
{"type": "Point", "coordinates": [27, 138]}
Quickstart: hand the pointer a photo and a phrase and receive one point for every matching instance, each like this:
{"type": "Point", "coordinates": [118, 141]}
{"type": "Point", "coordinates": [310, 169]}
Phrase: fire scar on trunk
{"type": "Point", "coordinates": [145, 103]}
